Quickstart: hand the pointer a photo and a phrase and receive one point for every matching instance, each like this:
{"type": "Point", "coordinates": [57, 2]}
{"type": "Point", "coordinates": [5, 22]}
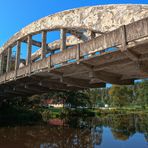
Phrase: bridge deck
{"type": "Point", "coordinates": [114, 67]}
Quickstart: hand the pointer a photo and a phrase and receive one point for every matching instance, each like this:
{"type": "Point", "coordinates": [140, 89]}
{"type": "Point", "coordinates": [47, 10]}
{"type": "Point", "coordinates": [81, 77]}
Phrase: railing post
{"type": "Point", "coordinates": [49, 63]}
{"type": "Point", "coordinates": [17, 59]}
{"type": "Point", "coordinates": [78, 54]}
{"type": "Point", "coordinates": [44, 39]}
{"type": "Point", "coordinates": [63, 39]}
{"type": "Point", "coordinates": [104, 45]}
{"type": "Point", "coordinates": [124, 39]}
{"type": "Point", "coordinates": [9, 59]}
{"type": "Point", "coordinates": [1, 63]}
{"type": "Point", "coordinates": [133, 56]}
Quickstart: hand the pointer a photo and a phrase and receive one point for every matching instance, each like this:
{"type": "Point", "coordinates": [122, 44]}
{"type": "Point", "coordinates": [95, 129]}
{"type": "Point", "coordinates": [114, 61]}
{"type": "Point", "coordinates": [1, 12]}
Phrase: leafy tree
{"type": "Point", "coordinates": [142, 93]}
{"type": "Point", "coordinates": [77, 98]}
{"type": "Point", "coordinates": [120, 95]}
{"type": "Point", "coordinates": [34, 100]}
{"type": "Point", "coordinates": [94, 96]}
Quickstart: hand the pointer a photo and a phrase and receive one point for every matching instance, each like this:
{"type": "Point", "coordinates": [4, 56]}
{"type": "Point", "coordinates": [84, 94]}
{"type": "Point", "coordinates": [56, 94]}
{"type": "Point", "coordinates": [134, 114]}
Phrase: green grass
{"type": "Point", "coordinates": [122, 110]}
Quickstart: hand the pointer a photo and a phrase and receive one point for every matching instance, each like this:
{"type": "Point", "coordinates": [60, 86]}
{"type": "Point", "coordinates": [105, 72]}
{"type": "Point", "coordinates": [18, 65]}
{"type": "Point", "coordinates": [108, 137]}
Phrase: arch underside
{"type": "Point", "coordinates": [85, 59]}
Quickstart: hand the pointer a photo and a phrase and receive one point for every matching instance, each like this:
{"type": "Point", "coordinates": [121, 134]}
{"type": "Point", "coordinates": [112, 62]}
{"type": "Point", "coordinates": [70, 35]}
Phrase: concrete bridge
{"type": "Point", "coordinates": [97, 45]}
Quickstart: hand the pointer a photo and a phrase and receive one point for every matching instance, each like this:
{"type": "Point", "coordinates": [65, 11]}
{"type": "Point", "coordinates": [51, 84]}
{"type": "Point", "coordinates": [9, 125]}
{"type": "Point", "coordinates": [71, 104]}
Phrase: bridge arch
{"type": "Point", "coordinates": [99, 19]}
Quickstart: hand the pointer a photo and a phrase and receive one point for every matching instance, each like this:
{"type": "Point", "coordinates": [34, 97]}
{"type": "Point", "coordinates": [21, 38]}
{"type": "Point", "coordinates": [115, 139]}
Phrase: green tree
{"type": "Point", "coordinates": [77, 98]}
{"type": "Point", "coordinates": [94, 96]}
{"type": "Point", "coordinates": [120, 95]}
{"type": "Point", "coordinates": [142, 93]}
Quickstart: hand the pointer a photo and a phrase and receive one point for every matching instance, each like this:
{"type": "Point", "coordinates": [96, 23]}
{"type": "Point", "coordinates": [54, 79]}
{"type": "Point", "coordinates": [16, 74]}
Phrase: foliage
{"type": "Point", "coordinates": [74, 98]}
{"type": "Point", "coordinates": [142, 93]}
{"type": "Point", "coordinates": [120, 95]}
{"type": "Point", "coordinates": [130, 98]}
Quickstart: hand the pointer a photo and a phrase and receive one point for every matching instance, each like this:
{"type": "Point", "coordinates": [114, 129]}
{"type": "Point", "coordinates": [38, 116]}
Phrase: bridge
{"type": "Point", "coordinates": [96, 45]}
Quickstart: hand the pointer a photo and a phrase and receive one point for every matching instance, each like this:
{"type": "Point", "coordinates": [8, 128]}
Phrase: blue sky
{"type": "Point", "coordinates": [16, 14]}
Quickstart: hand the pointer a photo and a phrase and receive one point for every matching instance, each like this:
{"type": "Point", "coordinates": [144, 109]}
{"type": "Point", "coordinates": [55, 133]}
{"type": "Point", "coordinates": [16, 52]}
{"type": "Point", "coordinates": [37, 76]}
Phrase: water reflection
{"type": "Point", "coordinates": [110, 131]}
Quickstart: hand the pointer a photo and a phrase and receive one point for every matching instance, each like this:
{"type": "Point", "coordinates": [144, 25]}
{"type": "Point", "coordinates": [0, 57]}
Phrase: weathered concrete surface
{"type": "Point", "coordinates": [70, 41]}
{"type": "Point", "coordinates": [89, 64]}
{"type": "Point", "coordinates": [96, 18]}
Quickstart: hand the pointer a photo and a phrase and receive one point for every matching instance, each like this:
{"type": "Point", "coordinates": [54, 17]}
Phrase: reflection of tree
{"type": "Point", "coordinates": [37, 136]}
{"type": "Point", "coordinates": [146, 137]}
{"type": "Point", "coordinates": [120, 135]}
{"type": "Point", "coordinates": [123, 126]}
{"type": "Point", "coordinates": [96, 135]}
{"type": "Point", "coordinates": [126, 125]}
{"type": "Point", "coordinates": [86, 133]}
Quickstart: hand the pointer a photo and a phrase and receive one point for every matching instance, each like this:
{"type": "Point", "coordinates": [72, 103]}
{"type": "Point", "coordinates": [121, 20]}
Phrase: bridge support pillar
{"type": "Point", "coordinates": [1, 63]}
{"type": "Point", "coordinates": [29, 49]}
{"type": "Point", "coordinates": [63, 39]}
{"type": "Point", "coordinates": [78, 54]}
{"type": "Point", "coordinates": [44, 39]}
{"type": "Point", "coordinates": [9, 59]}
{"type": "Point", "coordinates": [17, 60]}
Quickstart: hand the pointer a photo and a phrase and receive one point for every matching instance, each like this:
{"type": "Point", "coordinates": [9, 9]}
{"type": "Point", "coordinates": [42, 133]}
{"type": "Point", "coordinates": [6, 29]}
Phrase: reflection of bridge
{"type": "Point", "coordinates": [83, 57]}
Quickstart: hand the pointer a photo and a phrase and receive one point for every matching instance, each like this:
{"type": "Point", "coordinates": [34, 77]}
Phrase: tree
{"type": "Point", "coordinates": [142, 93]}
{"type": "Point", "coordinates": [34, 100]}
{"type": "Point", "coordinates": [94, 96]}
{"type": "Point", "coordinates": [120, 95]}
{"type": "Point", "coordinates": [77, 98]}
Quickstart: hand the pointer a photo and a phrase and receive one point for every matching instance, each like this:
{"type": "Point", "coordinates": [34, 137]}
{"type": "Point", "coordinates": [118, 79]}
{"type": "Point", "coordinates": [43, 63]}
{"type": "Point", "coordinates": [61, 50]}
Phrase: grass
{"type": "Point", "coordinates": [121, 110]}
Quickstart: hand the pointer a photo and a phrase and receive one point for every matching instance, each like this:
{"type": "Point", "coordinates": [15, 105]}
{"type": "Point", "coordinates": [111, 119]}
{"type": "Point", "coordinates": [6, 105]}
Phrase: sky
{"type": "Point", "coordinates": [16, 14]}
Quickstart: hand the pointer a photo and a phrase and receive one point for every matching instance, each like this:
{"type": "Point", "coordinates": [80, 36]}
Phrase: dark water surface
{"type": "Point", "coordinates": [111, 131]}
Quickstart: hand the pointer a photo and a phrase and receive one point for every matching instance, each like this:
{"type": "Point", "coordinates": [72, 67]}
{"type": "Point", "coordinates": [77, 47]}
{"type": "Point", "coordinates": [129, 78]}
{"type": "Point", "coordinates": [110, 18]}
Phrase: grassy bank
{"type": "Point", "coordinates": [121, 110]}
{"type": "Point", "coordinates": [11, 115]}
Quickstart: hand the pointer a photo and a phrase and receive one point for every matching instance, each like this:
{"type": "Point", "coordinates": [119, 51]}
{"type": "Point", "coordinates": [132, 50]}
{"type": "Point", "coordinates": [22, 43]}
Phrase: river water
{"type": "Point", "coordinates": [110, 131]}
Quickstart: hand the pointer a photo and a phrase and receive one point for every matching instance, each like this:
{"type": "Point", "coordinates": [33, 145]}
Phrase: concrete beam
{"type": "Point", "coordinates": [81, 83]}
{"type": "Point", "coordinates": [110, 78]}
{"type": "Point", "coordinates": [17, 58]}
{"type": "Point", "coordinates": [33, 42]}
{"type": "Point", "coordinates": [130, 54]}
{"type": "Point", "coordinates": [9, 59]}
{"type": "Point", "coordinates": [63, 39]}
{"type": "Point", "coordinates": [53, 46]}
{"type": "Point", "coordinates": [29, 49]}
{"type": "Point", "coordinates": [44, 47]}
{"type": "Point", "coordinates": [1, 63]}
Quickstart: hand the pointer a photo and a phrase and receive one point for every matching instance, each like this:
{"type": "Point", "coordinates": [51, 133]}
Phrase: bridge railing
{"type": "Point", "coordinates": [116, 38]}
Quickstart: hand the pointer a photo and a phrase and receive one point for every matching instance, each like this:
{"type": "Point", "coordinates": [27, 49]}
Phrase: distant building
{"type": "Point", "coordinates": [51, 103]}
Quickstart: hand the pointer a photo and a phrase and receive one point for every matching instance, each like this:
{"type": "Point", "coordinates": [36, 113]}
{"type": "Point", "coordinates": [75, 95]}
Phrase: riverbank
{"type": "Point", "coordinates": [121, 110]}
{"type": "Point", "coordinates": [23, 116]}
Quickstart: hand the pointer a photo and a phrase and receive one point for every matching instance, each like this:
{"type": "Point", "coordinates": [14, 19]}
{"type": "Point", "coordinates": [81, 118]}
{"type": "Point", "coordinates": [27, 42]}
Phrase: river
{"type": "Point", "coordinates": [110, 131]}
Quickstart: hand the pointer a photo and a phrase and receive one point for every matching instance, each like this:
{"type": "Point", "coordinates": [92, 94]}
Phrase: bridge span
{"type": "Point", "coordinates": [97, 45]}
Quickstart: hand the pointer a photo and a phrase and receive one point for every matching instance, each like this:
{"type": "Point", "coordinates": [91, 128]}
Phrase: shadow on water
{"type": "Point", "coordinates": [13, 116]}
